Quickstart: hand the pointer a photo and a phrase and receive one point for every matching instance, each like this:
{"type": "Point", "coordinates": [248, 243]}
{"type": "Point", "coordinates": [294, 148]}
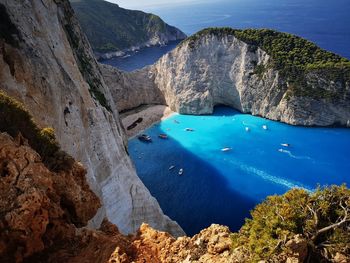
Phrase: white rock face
{"type": "Point", "coordinates": [224, 70]}
{"type": "Point", "coordinates": [131, 89]}
{"type": "Point", "coordinates": [47, 63]}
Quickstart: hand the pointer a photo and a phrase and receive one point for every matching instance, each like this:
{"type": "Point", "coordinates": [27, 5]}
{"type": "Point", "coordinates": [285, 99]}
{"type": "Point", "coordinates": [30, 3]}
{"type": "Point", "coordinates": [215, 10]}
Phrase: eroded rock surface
{"type": "Point", "coordinates": [132, 89]}
{"type": "Point", "coordinates": [47, 63]}
{"type": "Point", "coordinates": [223, 70]}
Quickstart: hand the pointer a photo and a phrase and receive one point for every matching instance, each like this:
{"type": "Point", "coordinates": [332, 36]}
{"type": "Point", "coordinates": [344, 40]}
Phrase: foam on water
{"type": "Point", "coordinates": [222, 186]}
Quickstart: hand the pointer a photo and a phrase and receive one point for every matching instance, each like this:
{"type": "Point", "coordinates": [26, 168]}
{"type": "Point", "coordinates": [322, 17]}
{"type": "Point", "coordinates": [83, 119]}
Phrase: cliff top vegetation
{"type": "Point", "coordinates": [322, 218]}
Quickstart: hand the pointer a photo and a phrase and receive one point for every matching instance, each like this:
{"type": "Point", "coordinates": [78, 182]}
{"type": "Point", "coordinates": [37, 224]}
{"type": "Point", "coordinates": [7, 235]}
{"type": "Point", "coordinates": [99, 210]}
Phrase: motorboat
{"type": "Point", "coordinates": [171, 167]}
{"type": "Point", "coordinates": [265, 127]}
{"type": "Point", "coordinates": [226, 149]}
{"type": "Point", "coordinates": [247, 129]}
{"type": "Point", "coordinates": [163, 136]}
{"type": "Point", "coordinates": [285, 144]}
{"type": "Point", "coordinates": [144, 138]}
{"type": "Point", "coordinates": [189, 129]}
{"type": "Point", "coordinates": [181, 171]}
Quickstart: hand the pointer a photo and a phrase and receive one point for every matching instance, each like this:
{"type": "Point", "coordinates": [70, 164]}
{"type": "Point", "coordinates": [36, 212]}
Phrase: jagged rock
{"type": "Point", "coordinates": [46, 62]}
{"type": "Point", "coordinates": [37, 206]}
{"type": "Point", "coordinates": [299, 249]}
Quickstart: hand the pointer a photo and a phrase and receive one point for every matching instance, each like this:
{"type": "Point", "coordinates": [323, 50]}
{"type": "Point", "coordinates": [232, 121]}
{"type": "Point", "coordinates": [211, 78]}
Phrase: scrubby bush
{"type": "Point", "coordinates": [321, 217]}
{"type": "Point", "coordinates": [15, 120]}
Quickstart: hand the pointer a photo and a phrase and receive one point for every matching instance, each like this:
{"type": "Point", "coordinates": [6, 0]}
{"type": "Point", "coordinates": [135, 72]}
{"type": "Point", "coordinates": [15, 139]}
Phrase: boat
{"type": "Point", "coordinates": [163, 136]}
{"type": "Point", "coordinates": [189, 129]}
{"type": "Point", "coordinates": [285, 144]}
{"type": "Point", "coordinates": [171, 167]}
{"type": "Point", "coordinates": [145, 138]}
{"type": "Point", "coordinates": [176, 121]}
{"type": "Point", "coordinates": [181, 171]}
{"type": "Point", "coordinates": [226, 149]}
{"type": "Point", "coordinates": [264, 127]}
{"type": "Point", "coordinates": [247, 129]}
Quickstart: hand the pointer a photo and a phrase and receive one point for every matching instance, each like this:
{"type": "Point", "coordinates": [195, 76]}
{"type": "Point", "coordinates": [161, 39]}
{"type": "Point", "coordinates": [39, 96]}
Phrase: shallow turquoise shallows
{"type": "Point", "coordinates": [223, 186]}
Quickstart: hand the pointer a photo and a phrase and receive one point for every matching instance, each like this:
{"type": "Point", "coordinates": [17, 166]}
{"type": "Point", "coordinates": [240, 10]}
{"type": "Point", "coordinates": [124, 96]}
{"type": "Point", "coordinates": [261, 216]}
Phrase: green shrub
{"type": "Point", "coordinates": [321, 217]}
{"type": "Point", "coordinates": [15, 120]}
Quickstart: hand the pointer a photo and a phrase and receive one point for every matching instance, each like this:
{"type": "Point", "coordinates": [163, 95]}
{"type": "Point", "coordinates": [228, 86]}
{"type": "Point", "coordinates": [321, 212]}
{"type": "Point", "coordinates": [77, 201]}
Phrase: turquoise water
{"type": "Point", "coordinates": [221, 187]}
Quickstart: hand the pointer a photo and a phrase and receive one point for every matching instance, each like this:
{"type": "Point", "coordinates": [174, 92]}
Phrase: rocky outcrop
{"type": "Point", "coordinates": [38, 206]}
{"type": "Point", "coordinates": [216, 67]}
{"type": "Point", "coordinates": [222, 69]}
{"type": "Point", "coordinates": [47, 63]}
{"type": "Point", "coordinates": [131, 89]}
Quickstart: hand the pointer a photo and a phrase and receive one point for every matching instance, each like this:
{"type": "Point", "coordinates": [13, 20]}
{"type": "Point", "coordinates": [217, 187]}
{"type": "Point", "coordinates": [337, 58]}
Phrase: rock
{"type": "Point", "coordinates": [46, 63]}
{"type": "Point", "coordinates": [298, 248]}
{"type": "Point", "coordinates": [340, 258]}
{"type": "Point", "coordinates": [131, 90]}
{"type": "Point", "coordinates": [222, 70]}
{"type": "Point", "coordinates": [37, 204]}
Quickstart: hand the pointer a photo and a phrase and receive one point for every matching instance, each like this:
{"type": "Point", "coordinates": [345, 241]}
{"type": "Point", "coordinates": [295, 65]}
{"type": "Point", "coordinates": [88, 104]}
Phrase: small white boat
{"type": "Point", "coordinates": [226, 149]}
{"type": "Point", "coordinates": [265, 127]}
{"type": "Point", "coordinates": [247, 129]}
{"type": "Point", "coordinates": [181, 171]}
{"type": "Point", "coordinates": [285, 144]}
{"type": "Point", "coordinates": [189, 129]}
{"type": "Point", "coordinates": [171, 167]}
{"type": "Point", "coordinates": [281, 150]}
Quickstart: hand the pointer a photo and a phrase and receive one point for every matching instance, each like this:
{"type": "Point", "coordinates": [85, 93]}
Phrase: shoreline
{"type": "Point", "coordinates": [150, 114]}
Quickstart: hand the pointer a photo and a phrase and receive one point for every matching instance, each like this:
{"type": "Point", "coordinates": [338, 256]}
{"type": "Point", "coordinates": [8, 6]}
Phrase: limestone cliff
{"type": "Point", "coordinates": [262, 72]}
{"type": "Point", "coordinates": [47, 63]}
{"type": "Point", "coordinates": [131, 89]}
{"type": "Point", "coordinates": [221, 68]}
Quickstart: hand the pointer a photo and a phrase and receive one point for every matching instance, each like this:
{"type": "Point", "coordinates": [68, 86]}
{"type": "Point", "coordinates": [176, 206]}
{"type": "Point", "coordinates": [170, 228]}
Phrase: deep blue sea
{"type": "Point", "coordinates": [325, 22]}
{"type": "Point", "coordinates": [222, 187]}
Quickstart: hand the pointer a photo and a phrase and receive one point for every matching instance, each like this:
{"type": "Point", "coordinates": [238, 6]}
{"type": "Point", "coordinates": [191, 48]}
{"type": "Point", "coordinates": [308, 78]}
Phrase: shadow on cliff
{"type": "Point", "coordinates": [198, 198]}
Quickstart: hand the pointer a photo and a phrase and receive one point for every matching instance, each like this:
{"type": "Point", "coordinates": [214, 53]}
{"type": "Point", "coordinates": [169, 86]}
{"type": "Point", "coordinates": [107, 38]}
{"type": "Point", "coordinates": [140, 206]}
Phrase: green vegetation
{"type": "Point", "coordinates": [322, 218]}
{"type": "Point", "coordinates": [16, 120]}
{"type": "Point", "coordinates": [111, 28]}
{"type": "Point", "coordinates": [293, 56]}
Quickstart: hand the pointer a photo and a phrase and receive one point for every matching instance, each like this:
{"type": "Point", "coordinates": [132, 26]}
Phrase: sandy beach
{"type": "Point", "coordinates": [150, 114]}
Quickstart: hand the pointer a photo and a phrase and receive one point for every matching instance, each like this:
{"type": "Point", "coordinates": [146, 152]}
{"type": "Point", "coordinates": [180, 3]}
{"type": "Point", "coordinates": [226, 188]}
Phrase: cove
{"type": "Point", "coordinates": [222, 187]}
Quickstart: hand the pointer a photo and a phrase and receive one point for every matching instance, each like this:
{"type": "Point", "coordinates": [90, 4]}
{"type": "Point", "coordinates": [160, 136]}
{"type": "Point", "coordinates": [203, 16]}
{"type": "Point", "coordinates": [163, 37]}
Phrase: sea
{"type": "Point", "coordinates": [325, 22]}
{"type": "Point", "coordinates": [223, 186]}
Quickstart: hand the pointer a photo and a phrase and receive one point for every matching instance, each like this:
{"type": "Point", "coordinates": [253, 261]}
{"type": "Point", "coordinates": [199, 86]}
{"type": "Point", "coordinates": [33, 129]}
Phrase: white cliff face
{"type": "Point", "coordinates": [131, 89]}
{"type": "Point", "coordinates": [47, 63]}
{"type": "Point", "coordinates": [224, 70]}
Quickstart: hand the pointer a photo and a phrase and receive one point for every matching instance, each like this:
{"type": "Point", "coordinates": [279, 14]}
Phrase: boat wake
{"type": "Point", "coordinates": [274, 179]}
{"type": "Point", "coordinates": [294, 156]}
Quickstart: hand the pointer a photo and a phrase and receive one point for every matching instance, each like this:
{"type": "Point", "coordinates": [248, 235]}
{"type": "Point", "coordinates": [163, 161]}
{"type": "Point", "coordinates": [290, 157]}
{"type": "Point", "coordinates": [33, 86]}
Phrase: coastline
{"type": "Point", "coordinates": [150, 114]}
{"type": "Point", "coordinates": [132, 50]}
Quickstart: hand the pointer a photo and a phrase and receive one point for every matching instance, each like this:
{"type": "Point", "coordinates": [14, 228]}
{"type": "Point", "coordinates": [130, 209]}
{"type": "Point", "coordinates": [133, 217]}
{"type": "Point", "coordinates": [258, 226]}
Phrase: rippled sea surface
{"type": "Point", "coordinates": [221, 187]}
